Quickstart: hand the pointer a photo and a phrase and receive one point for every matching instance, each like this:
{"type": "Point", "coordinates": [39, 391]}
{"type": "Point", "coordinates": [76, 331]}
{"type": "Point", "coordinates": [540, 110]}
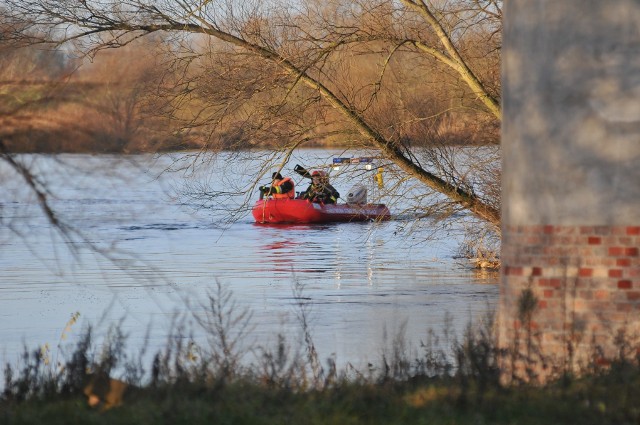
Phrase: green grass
{"type": "Point", "coordinates": [593, 400]}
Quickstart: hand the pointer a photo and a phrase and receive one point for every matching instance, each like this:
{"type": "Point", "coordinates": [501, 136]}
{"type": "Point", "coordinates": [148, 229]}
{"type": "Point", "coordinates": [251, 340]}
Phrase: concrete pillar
{"type": "Point", "coordinates": [571, 171]}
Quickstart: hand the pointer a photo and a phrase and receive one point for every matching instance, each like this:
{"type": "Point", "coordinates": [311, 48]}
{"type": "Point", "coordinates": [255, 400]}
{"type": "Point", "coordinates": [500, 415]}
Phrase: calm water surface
{"type": "Point", "coordinates": [359, 280]}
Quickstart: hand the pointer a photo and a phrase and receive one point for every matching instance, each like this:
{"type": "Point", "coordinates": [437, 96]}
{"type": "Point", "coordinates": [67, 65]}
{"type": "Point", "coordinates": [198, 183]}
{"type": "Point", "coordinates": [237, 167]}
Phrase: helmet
{"type": "Point", "coordinates": [318, 173]}
{"type": "Point", "coordinates": [276, 176]}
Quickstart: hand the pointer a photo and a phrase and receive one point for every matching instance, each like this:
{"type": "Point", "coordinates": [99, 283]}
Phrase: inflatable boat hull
{"type": "Point", "coordinates": [303, 211]}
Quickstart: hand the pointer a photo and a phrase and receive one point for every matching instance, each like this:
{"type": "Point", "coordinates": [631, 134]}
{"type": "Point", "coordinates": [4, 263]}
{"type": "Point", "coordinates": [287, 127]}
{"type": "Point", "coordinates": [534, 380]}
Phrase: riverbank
{"type": "Point", "coordinates": [597, 400]}
{"type": "Point", "coordinates": [450, 382]}
{"type": "Point", "coordinates": [603, 398]}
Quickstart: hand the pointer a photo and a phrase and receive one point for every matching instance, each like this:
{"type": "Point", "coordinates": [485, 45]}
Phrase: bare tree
{"type": "Point", "coordinates": [41, 98]}
{"type": "Point", "coordinates": [121, 110]}
{"type": "Point", "coordinates": [22, 68]}
{"type": "Point", "coordinates": [296, 71]}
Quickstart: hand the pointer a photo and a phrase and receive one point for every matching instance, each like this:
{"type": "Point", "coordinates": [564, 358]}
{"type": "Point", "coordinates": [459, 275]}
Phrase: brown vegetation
{"type": "Point", "coordinates": [158, 94]}
{"type": "Point", "coordinates": [104, 106]}
{"type": "Point", "coordinates": [105, 393]}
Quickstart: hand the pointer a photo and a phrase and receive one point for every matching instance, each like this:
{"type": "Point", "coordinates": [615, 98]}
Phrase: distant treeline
{"type": "Point", "coordinates": [136, 99]}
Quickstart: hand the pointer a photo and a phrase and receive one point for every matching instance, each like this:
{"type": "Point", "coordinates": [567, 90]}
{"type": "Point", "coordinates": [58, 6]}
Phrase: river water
{"type": "Point", "coordinates": [140, 256]}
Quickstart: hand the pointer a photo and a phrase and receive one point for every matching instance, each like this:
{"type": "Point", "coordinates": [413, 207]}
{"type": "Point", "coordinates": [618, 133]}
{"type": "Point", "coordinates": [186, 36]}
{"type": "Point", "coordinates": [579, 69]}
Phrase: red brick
{"type": "Point", "coordinates": [623, 262]}
{"type": "Point", "coordinates": [537, 271]}
{"type": "Point", "coordinates": [585, 272]}
{"type": "Point", "coordinates": [633, 272]}
{"type": "Point", "coordinates": [633, 230]}
{"type": "Point", "coordinates": [615, 273]}
{"type": "Point", "coordinates": [624, 284]}
{"type": "Point", "coordinates": [604, 230]}
{"type": "Point", "coordinates": [563, 240]}
{"type": "Point", "coordinates": [625, 240]}
{"type": "Point", "coordinates": [586, 230]}
{"type": "Point", "coordinates": [542, 304]}
{"type": "Point", "coordinates": [533, 240]}
{"type": "Point", "coordinates": [535, 250]}
{"type": "Point", "coordinates": [544, 282]}
{"type": "Point", "coordinates": [624, 307]}
{"type": "Point", "coordinates": [631, 252]}
{"type": "Point", "coordinates": [513, 271]}
{"type": "Point", "coordinates": [585, 295]}
{"type": "Point", "coordinates": [552, 261]}
{"type": "Point", "coordinates": [633, 295]}
{"type": "Point", "coordinates": [555, 283]}
{"type": "Point", "coordinates": [616, 251]}
{"type": "Point", "coordinates": [601, 294]}
{"type": "Point", "coordinates": [547, 230]}
{"type": "Point", "coordinates": [592, 256]}
{"type": "Point", "coordinates": [594, 240]}
{"type": "Point", "coordinates": [548, 293]}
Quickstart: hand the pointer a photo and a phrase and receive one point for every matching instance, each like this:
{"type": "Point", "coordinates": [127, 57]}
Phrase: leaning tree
{"type": "Point", "coordinates": [411, 79]}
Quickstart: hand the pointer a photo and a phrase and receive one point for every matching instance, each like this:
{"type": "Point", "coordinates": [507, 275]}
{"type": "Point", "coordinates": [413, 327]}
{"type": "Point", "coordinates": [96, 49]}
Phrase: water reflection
{"type": "Point", "coordinates": [278, 256]}
{"type": "Point", "coordinates": [289, 249]}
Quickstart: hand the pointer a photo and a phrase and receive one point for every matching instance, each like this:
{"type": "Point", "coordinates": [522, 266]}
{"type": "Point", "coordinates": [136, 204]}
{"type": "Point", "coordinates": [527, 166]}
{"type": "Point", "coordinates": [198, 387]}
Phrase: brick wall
{"type": "Point", "coordinates": [586, 284]}
{"type": "Point", "coordinates": [570, 180]}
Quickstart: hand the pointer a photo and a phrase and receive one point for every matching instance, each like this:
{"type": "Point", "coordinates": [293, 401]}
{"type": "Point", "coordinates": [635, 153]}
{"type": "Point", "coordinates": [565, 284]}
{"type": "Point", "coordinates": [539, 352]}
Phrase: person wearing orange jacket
{"type": "Point", "coordinates": [281, 187]}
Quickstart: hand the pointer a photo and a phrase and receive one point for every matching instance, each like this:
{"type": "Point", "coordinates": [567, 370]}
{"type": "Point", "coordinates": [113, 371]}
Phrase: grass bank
{"type": "Point", "coordinates": [609, 399]}
{"type": "Point", "coordinates": [448, 382]}
{"type": "Point", "coordinates": [245, 403]}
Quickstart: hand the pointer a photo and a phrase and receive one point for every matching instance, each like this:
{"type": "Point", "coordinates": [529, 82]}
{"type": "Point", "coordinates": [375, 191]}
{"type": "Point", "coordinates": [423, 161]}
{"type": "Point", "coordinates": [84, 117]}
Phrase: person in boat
{"type": "Point", "coordinates": [281, 187]}
{"type": "Point", "coordinates": [320, 190]}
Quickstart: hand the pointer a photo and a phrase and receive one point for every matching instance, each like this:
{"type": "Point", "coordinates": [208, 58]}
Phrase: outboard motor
{"type": "Point", "coordinates": [357, 195]}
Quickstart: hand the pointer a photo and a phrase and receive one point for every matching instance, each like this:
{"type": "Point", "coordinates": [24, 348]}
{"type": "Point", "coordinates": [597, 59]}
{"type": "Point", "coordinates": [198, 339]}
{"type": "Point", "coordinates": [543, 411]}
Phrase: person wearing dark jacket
{"type": "Point", "coordinates": [320, 190]}
{"type": "Point", "coordinates": [281, 187]}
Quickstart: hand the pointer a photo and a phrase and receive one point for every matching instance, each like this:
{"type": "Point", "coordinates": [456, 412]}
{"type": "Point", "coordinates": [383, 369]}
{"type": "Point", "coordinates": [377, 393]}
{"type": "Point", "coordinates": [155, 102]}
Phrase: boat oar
{"type": "Point", "coordinates": [302, 171]}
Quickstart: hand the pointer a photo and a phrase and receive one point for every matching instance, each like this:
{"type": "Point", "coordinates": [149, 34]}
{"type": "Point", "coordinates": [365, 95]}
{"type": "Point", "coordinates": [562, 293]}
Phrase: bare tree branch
{"type": "Point", "coordinates": [303, 55]}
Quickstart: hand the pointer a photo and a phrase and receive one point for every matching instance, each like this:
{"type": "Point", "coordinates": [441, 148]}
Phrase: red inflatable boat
{"type": "Point", "coordinates": [304, 211]}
